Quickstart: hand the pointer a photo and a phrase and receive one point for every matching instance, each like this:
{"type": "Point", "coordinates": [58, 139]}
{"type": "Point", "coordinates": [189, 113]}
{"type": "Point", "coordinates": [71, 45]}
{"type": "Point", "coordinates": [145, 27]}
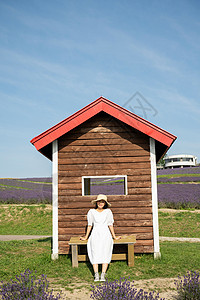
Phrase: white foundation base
{"type": "Point", "coordinates": [54, 256]}
{"type": "Point", "coordinates": [157, 255]}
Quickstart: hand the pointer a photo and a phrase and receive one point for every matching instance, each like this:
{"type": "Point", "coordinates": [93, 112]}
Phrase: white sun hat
{"type": "Point", "coordinates": [101, 197]}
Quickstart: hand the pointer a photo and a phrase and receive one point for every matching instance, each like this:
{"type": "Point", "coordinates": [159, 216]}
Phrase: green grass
{"type": "Point", "coordinates": [3, 186]}
{"type": "Point", "coordinates": [37, 219]}
{"type": "Point", "coordinates": [177, 182]}
{"type": "Point", "coordinates": [16, 256]}
{"type": "Point", "coordinates": [178, 175]}
{"type": "Point", "coordinates": [179, 224]}
{"type": "Point", "coordinates": [25, 219]}
{"type": "Point", "coordinates": [33, 181]}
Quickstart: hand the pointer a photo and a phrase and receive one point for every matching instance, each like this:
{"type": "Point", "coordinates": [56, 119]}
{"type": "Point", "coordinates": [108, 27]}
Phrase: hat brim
{"type": "Point", "coordinates": [96, 200]}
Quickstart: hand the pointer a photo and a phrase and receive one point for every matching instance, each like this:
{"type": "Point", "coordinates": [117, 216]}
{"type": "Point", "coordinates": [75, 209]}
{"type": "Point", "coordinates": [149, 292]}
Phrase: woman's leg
{"type": "Point", "coordinates": [104, 268]}
{"type": "Point", "coordinates": [96, 268]}
{"type": "Point", "coordinates": [96, 272]}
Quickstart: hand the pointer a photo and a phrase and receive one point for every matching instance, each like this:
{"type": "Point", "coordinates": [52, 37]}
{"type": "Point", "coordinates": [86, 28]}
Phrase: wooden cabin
{"type": "Point", "coordinates": [108, 149]}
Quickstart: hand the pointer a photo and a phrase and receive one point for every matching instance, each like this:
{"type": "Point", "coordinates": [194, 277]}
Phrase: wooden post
{"type": "Point", "coordinates": [131, 255]}
{"type": "Point", "coordinates": [54, 254]}
{"type": "Point", "coordinates": [157, 253]}
{"type": "Point", "coordinates": [74, 256]}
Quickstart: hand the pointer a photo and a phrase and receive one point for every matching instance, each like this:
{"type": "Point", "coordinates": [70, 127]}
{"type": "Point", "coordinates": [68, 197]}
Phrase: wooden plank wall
{"type": "Point", "coordinates": [105, 146]}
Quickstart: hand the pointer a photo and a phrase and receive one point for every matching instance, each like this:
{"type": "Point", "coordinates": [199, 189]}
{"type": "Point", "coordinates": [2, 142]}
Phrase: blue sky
{"type": "Point", "coordinates": [58, 56]}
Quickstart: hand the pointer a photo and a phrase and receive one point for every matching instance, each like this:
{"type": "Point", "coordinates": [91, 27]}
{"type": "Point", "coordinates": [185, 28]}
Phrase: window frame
{"type": "Point", "coordinates": [106, 176]}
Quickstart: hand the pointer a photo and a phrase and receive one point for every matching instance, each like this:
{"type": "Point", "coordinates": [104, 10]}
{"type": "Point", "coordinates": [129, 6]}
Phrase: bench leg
{"type": "Point", "coordinates": [131, 255]}
{"type": "Point", "coordinates": [74, 256]}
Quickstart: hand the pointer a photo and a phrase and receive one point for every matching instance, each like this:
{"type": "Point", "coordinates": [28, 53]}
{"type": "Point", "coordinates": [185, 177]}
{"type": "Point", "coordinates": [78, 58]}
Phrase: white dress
{"type": "Point", "coordinates": [100, 242]}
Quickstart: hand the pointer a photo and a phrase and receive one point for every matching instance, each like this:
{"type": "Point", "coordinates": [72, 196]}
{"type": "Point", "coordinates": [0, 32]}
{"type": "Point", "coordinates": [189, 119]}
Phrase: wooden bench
{"type": "Point", "coordinates": [128, 240]}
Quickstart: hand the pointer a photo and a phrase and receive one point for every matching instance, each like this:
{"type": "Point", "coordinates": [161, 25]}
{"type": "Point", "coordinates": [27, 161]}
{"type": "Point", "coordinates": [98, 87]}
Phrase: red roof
{"type": "Point", "coordinates": [103, 105]}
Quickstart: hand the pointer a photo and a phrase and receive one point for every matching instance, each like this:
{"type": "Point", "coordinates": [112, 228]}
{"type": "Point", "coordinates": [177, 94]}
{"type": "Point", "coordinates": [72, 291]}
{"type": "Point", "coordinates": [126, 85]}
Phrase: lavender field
{"type": "Point", "coordinates": [191, 179]}
{"type": "Point", "coordinates": [191, 170]}
{"type": "Point", "coordinates": [25, 190]}
{"type": "Point", "coordinates": [177, 188]}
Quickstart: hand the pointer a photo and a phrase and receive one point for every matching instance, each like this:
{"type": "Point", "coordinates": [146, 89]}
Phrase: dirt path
{"type": "Point", "coordinates": [165, 287]}
{"type": "Point", "coordinates": [179, 239]}
{"type": "Point", "coordinates": [170, 210]}
{"type": "Point", "coordinates": [31, 237]}
{"type": "Point", "coordinates": [22, 237]}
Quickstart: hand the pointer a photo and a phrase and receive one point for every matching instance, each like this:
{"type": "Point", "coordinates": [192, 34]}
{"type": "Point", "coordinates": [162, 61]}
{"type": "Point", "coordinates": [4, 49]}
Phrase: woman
{"type": "Point", "coordinates": [100, 242]}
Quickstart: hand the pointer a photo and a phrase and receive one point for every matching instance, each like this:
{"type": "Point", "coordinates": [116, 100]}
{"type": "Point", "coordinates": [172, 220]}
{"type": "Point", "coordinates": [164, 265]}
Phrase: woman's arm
{"type": "Point", "coordinates": [84, 238]}
{"type": "Point", "coordinates": [113, 233]}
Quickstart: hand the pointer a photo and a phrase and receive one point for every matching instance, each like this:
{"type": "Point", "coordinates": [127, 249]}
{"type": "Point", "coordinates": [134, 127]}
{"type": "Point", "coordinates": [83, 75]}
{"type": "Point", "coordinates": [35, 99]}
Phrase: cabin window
{"type": "Point", "coordinates": [108, 185]}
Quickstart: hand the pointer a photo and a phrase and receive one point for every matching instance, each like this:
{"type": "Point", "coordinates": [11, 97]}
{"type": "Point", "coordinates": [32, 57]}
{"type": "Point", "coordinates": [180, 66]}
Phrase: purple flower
{"type": "Point", "coordinates": [179, 179]}
{"type": "Point", "coordinates": [188, 287]}
{"type": "Point", "coordinates": [179, 195]}
{"type": "Point", "coordinates": [31, 190]}
{"type": "Point", "coordinates": [191, 170]}
{"type": "Point", "coordinates": [121, 289]}
{"type": "Point", "coordinates": [27, 287]}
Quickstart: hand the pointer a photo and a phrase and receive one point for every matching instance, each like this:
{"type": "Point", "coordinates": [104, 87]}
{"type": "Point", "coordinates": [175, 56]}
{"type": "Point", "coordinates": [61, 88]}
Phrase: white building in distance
{"type": "Point", "coordinates": [180, 161]}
